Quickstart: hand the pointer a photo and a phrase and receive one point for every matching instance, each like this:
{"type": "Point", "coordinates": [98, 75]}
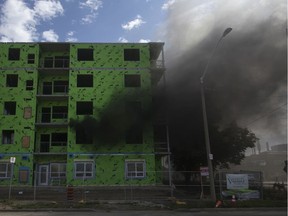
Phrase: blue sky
{"type": "Point", "coordinates": [83, 20]}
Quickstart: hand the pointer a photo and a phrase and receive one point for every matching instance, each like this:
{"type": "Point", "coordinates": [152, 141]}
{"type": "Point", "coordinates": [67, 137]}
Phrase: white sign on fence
{"type": "Point", "coordinates": [237, 181]}
{"type": "Point", "coordinates": [204, 171]}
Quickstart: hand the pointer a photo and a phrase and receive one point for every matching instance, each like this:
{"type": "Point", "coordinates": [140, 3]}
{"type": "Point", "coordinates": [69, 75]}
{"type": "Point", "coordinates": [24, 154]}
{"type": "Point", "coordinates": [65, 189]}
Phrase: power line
{"type": "Point", "coordinates": [267, 114]}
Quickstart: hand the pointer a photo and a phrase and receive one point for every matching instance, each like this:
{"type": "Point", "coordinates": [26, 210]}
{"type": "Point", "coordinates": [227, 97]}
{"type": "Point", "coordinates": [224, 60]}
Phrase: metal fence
{"type": "Point", "coordinates": [184, 185]}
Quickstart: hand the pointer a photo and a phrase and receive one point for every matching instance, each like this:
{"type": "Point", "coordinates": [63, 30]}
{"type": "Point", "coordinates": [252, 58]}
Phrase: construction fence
{"type": "Point", "coordinates": [184, 185]}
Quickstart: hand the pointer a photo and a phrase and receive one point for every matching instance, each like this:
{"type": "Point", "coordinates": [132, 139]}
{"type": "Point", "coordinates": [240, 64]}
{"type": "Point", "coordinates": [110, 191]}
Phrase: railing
{"type": "Point", "coordinates": [49, 116]}
{"type": "Point", "coordinates": [157, 64]}
{"type": "Point", "coordinates": [47, 89]}
{"type": "Point", "coordinates": [55, 63]}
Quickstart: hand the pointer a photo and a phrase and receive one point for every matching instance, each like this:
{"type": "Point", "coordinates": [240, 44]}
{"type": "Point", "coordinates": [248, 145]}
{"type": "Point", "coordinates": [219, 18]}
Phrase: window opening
{"type": "Point", "coordinates": [5, 170]}
{"type": "Point", "coordinates": [7, 136]}
{"type": "Point", "coordinates": [57, 170]}
{"type": "Point", "coordinates": [135, 169]}
{"type": "Point", "coordinates": [14, 54]}
{"type": "Point", "coordinates": [131, 55]}
{"type": "Point", "coordinates": [82, 137]}
{"type": "Point", "coordinates": [84, 108]}
{"type": "Point", "coordinates": [84, 80]}
{"type": "Point", "coordinates": [12, 80]}
{"type": "Point", "coordinates": [84, 169]}
{"type": "Point", "coordinates": [48, 62]}
{"type": "Point", "coordinates": [132, 80]}
{"type": "Point", "coordinates": [85, 55]}
{"type": "Point", "coordinates": [31, 59]}
{"type": "Point", "coordinates": [10, 108]}
{"type": "Point", "coordinates": [29, 85]}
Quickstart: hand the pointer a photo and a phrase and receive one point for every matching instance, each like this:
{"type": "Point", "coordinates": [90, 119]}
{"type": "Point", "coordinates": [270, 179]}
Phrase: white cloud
{"type": "Point", "coordinates": [48, 9]}
{"type": "Point", "coordinates": [168, 5]}
{"type": "Point", "coordinates": [89, 18]}
{"type": "Point", "coordinates": [17, 22]}
{"type": "Point", "coordinates": [136, 23]}
{"type": "Point", "coordinates": [93, 5]}
{"type": "Point", "coordinates": [50, 36]}
{"type": "Point", "coordinates": [70, 37]}
{"type": "Point", "coordinates": [144, 41]}
{"type": "Point", "coordinates": [123, 40]}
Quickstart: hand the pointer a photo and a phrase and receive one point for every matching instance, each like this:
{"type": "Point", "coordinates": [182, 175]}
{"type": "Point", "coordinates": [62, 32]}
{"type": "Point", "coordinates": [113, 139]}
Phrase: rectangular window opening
{"type": "Point", "coordinates": [14, 54]}
{"type": "Point", "coordinates": [31, 59]}
{"type": "Point", "coordinates": [84, 169]}
{"type": "Point", "coordinates": [5, 170]}
{"type": "Point", "coordinates": [57, 170]}
{"type": "Point", "coordinates": [82, 137]}
{"type": "Point", "coordinates": [131, 55]}
{"type": "Point", "coordinates": [85, 54]}
{"type": "Point", "coordinates": [84, 80]}
{"type": "Point", "coordinates": [29, 85]}
{"type": "Point", "coordinates": [10, 108]}
{"type": "Point", "coordinates": [135, 169]}
{"type": "Point", "coordinates": [61, 61]}
{"type": "Point", "coordinates": [132, 80]}
{"type": "Point", "coordinates": [84, 108]}
{"type": "Point", "coordinates": [7, 136]}
{"type": "Point", "coordinates": [12, 80]}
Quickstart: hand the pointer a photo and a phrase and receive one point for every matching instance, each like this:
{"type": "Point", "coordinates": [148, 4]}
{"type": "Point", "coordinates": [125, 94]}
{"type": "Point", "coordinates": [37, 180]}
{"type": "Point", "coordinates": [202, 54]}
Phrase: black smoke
{"type": "Point", "coordinates": [247, 77]}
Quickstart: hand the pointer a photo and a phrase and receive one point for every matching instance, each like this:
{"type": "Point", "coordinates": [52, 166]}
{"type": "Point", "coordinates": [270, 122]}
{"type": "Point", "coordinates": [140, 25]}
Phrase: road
{"type": "Point", "coordinates": [210, 212]}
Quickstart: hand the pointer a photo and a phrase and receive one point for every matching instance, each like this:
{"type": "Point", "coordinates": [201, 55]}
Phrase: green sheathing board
{"type": "Point", "coordinates": [22, 126]}
{"type": "Point", "coordinates": [108, 70]}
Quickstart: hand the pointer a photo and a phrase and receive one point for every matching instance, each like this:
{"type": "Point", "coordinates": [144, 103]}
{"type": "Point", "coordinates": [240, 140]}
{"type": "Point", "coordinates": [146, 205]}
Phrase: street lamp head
{"type": "Point", "coordinates": [227, 31]}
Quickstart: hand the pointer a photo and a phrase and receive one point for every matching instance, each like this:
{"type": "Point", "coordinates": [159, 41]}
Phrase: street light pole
{"type": "Point", "coordinates": [206, 131]}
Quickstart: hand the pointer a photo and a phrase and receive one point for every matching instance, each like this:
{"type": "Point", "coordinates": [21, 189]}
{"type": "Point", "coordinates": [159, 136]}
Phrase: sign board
{"type": "Point", "coordinates": [237, 181]}
{"type": "Point", "coordinates": [12, 160]}
{"type": "Point", "coordinates": [204, 171]}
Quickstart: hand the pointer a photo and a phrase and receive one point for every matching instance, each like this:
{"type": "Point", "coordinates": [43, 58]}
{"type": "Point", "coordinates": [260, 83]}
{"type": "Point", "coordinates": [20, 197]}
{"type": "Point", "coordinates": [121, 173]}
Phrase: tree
{"type": "Point", "coordinates": [228, 146]}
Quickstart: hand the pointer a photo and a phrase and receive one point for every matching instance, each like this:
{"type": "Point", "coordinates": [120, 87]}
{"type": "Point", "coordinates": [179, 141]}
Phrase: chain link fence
{"type": "Point", "coordinates": [182, 185]}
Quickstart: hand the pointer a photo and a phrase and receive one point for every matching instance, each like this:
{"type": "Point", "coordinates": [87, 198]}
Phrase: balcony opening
{"type": "Point", "coordinates": [85, 55]}
{"type": "Point", "coordinates": [46, 115]}
{"type": "Point", "coordinates": [48, 62]}
{"type": "Point", "coordinates": [44, 142]}
{"type": "Point", "coordinates": [61, 62]}
{"type": "Point", "coordinates": [47, 88]}
{"type": "Point", "coordinates": [59, 112]}
{"type": "Point", "coordinates": [131, 55]}
{"type": "Point", "coordinates": [14, 54]}
{"type": "Point", "coordinates": [60, 86]}
{"type": "Point", "coordinates": [59, 139]}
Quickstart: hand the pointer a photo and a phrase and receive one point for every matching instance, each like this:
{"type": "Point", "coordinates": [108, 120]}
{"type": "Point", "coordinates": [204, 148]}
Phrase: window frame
{"type": "Point", "coordinates": [135, 174]}
{"type": "Point", "coordinates": [59, 173]}
{"type": "Point", "coordinates": [31, 58]}
{"type": "Point", "coordinates": [11, 138]}
{"type": "Point", "coordinates": [7, 173]}
{"type": "Point", "coordinates": [84, 172]}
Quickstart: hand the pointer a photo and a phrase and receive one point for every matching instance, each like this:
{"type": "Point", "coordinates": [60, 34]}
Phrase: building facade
{"type": "Point", "coordinates": [80, 113]}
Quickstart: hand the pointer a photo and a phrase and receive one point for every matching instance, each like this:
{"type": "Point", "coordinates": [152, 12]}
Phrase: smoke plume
{"type": "Point", "coordinates": [246, 80]}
